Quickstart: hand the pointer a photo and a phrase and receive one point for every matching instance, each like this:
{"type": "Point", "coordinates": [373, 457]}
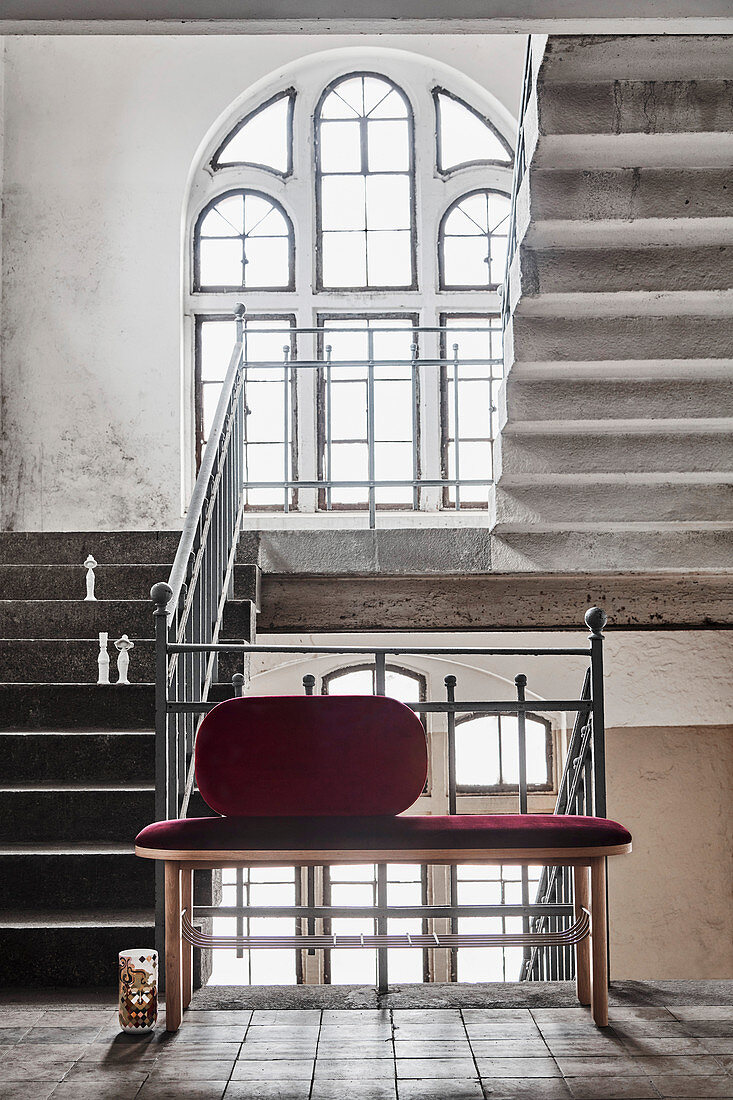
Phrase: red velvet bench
{"type": "Point", "coordinates": [324, 780]}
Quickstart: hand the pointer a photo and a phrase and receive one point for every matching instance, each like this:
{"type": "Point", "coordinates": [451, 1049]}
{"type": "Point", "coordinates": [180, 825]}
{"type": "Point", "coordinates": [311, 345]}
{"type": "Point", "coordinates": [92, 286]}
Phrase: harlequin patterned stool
{"type": "Point", "coordinates": [138, 989]}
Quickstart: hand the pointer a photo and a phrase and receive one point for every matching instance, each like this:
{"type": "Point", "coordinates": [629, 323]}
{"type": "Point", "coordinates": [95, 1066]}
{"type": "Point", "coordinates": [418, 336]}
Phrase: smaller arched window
{"type": "Point", "coordinates": [487, 753]}
{"type": "Point", "coordinates": [472, 241]}
{"type": "Point", "coordinates": [465, 137]}
{"type": "Point", "coordinates": [244, 241]}
{"type": "Point", "coordinates": [263, 139]}
{"type": "Point", "coordinates": [365, 186]}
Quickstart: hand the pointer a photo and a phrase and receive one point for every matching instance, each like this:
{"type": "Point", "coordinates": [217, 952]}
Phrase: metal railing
{"type": "Point", "coordinates": [181, 699]}
{"type": "Point", "coordinates": [427, 449]}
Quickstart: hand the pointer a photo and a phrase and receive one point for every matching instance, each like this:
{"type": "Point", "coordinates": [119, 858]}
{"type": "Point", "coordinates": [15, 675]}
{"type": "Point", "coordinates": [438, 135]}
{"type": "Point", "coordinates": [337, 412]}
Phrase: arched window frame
{"type": "Point", "coordinates": [318, 178]}
{"type": "Point", "coordinates": [477, 163]}
{"type": "Point", "coordinates": [218, 165]}
{"type": "Point", "coordinates": [230, 193]}
{"type": "Point", "coordinates": [511, 788]}
{"type": "Point", "coordinates": [454, 288]}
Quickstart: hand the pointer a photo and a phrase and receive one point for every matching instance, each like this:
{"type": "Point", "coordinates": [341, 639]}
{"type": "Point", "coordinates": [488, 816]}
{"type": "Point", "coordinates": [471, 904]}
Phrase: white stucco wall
{"type": "Point", "coordinates": [100, 135]}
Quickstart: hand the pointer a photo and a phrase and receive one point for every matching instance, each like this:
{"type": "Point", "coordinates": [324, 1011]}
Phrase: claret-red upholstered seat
{"type": "Point", "coordinates": [323, 779]}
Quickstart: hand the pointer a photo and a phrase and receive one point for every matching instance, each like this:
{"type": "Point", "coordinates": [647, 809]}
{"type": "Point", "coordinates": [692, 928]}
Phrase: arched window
{"type": "Point", "coordinates": [361, 204]}
{"type": "Point", "coordinates": [244, 241]}
{"type": "Point", "coordinates": [365, 187]}
{"type": "Point", "coordinates": [472, 243]}
{"type": "Point", "coordinates": [487, 753]}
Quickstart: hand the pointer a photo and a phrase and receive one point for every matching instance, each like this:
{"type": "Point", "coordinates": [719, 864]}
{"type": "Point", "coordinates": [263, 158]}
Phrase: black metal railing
{"type": "Point", "coordinates": [181, 700]}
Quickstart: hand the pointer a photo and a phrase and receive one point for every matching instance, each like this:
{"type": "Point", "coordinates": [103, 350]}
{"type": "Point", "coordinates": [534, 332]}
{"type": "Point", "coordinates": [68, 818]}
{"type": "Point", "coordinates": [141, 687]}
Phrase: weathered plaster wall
{"type": "Point", "coordinates": [669, 746]}
{"type": "Point", "coordinates": [100, 136]}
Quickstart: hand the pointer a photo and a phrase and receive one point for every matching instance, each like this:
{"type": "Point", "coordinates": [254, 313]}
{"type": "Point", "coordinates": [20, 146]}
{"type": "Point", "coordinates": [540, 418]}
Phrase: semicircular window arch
{"type": "Point", "coordinates": [244, 240]}
{"type": "Point", "coordinates": [472, 240]}
{"type": "Point", "coordinates": [262, 139]}
{"type": "Point", "coordinates": [465, 138]}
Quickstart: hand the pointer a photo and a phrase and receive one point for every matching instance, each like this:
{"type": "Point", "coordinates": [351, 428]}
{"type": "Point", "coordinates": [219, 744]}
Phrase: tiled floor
{"type": "Point", "coordinates": [371, 1054]}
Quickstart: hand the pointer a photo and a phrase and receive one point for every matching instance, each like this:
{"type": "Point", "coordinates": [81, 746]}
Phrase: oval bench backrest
{"type": "Point", "coordinates": [296, 755]}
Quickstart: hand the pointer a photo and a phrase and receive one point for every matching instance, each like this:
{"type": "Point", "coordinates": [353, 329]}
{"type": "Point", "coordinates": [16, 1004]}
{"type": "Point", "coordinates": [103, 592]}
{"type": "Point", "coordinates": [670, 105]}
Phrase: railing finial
{"type": "Point", "coordinates": [520, 680]}
{"type": "Point", "coordinates": [595, 620]}
{"type": "Point", "coordinates": [161, 594]}
{"type": "Point", "coordinates": [309, 683]}
{"type": "Point", "coordinates": [239, 310]}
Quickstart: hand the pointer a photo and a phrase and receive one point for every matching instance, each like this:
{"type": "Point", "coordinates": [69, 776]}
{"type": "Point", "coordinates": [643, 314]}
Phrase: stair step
{"type": "Point", "coordinates": [68, 660]}
{"type": "Point", "coordinates": [604, 425]}
{"type": "Point", "coordinates": [524, 454]}
{"type": "Point", "coordinates": [622, 552]}
{"type": "Point", "coordinates": [68, 582]}
{"type": "Point", "coordinates": [636, 106]}
{"type": "Point", "coordinates": [80, 812]}
{"type": "Point", "coordinates": [76, 706]}
{"type": "Point", "coordinates": [613, 271]}
{"type": "Point", "coordinates": [584, 399]}
{"type": "Point", "coordinates": [589, 59]}
{"type": "Point", "coordinates": [43, 757]}
{"type": "Point", "coordinates": [73, 547]}
{"type": "Point", "coordinates": [613, 505]}
{"type": "Point", "coordinates": [656, 152]}
{"type": "Point", "coordinates": [75, 619]}
{"type": "Point", "coordinates": [543, 339]}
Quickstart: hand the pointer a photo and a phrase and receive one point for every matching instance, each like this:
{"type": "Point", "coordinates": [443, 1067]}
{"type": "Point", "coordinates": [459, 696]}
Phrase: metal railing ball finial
{"type": "Point", "coordinates": [520, 680]}
{"type": "Point", "coordinates": [309, 683]}
{"type": "Point", "coordinates": [239, 310]}
{"type": "Point", "coordinates": [161, 594]}
{"type": "Point", "coordinates": [595, 620]}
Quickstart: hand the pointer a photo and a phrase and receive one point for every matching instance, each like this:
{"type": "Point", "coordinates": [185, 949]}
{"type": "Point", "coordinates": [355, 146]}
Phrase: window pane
{"type": "Point", "coordinates": [474, 399]}
{"type": "Point", "coordinates": [348, 410]}
{"type": "Point", "coordinates": [475, 465]}
{"type": "Point", "coordinates": [389, 259]}
{"type": "Point", "coordinates": [344, 259]}
{"type": "Point", "coordinates": [216, 341]}
{"type": "Point", "coordinates": [464, 261]}
{"type": "Point", "coordinates": [465, 136]}
{"type": "Point", "coordinates": [263, 139]}
{"type": "Point", "coordinates": [265, 400]}
{"type": "Point", "coordinates": [225, 219]}
{"type": "Point", "coordinates": [346, 100]}
{"type": "Point", "coordinates": [393, 411]}
{"type": "Point", "coordinates": [388, 202]}
{"type": "Point", "coordinates": [221, 263]}
{"type": "Point", "coordinates": [343, 202]}
{"type": "Point", "coordinates": [380, 99]}
{"type": "Point", "coordinates": [268, 261]}
{"type": "Point", "coordinates": [358, 682]}
{"type": "Point", "coordinates": [477, 752]}
{"type": "Point", "coordinates": [389, 146]}
{"type": "Point", "coordinates": [340, 147]}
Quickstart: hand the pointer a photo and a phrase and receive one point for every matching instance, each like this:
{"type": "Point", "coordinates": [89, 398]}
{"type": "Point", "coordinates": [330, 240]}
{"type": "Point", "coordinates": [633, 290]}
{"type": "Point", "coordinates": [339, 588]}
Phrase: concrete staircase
{"type": "Point", "coordinates": [77, 779]}
{"type": "Point", "coordinates": [618, 403]}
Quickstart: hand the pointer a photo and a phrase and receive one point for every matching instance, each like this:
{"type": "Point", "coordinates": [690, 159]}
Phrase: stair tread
{"type": "Point", "coordinates": [66, 848]}
{"type": "Point", "coordinates": [16, 788]}
{"type": "Point", "coordinates": [72, 918]}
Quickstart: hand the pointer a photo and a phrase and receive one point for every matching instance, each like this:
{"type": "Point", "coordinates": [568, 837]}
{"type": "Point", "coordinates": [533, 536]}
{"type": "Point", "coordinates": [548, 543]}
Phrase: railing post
{"type": "Point", "coordinates": [450, 692]}
{"type": "Point", "coordinates": [521, 683]}
{"type": "Point", "coordinates": [596, 620]}
{"type": "Point", "coordinates": [309, 683]}
{"type": "Point", "coordinates": [161, 595]}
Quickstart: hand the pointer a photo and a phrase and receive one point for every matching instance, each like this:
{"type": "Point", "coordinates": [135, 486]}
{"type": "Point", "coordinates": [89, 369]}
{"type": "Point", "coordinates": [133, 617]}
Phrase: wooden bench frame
{"type": "Point", "coordinates": [589, 895]}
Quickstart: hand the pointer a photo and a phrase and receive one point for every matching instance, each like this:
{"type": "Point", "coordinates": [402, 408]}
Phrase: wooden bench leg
{"type": "Point", "coordinates": [186, 947]}
{"type": "Point", "coordinates": [582, 949]}
{"type": "Point", "coordinates": [172, 945]}
{"type": "Point", "coordinates": [598, 941]}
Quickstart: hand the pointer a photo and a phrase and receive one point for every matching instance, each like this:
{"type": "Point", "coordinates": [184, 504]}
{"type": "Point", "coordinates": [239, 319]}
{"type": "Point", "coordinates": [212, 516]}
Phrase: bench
{"type": "Point", "coordinates": [319, 780]}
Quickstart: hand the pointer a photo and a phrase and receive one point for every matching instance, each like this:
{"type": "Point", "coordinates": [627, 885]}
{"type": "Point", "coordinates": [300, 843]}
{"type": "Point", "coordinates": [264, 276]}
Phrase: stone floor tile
{"type": "Point", "coordinates": [281, 1070]}
{"type": "Point", "coordinates": [440, 1090]}
{"type": "Point", "coordinates": [417, 1068]}
{"type": "Point", "coordinates": [496, 1014]}
{"type": "Point", "coordinates": [203, 1052]}
{"type": "Point", "coordinates": [716, 1044]}
{"type": "Point", "coordinates": [517, 1067]}
{"type": "Point", "coordinates": [356, 1048]}
{"type": "Point", "coordinates": [51, 1072]}
{"type": "Point", "coordinates": [267, 1090]}
{"type": "Point", "coordinates": [333, 1069]}
{"type": "Point", "coordinates": [279, 1031]}
{"type": "Point", "coordinates": [420, 1031]}
{"type": "Point", "coordinates": [181, 1090]}
{"type": "Point", "coordinates": [78, 1036]}
{"type": "Point", "coordinates": [360, 1088]}
{"type": "Point", "coordinates": [722, 1029]}
{"type": "Point", "coordinates": [445, 1048]}
{"type": "Point", "coordinates": [98, 1086]}
{"type": "Point", "coordinates": [14, 1034]}
{"type": "Point", "coordinates": [119, 1052]}
{"type": "Point", "coordinates": [218, 1016]}
{"type": "Point", "coordinates": [702, 1012]}
{"type": "Point", "coordinates": [26, 1090]}
{"type": "Point", "coordinates": [657, 1045]}
{"type": "Point", "coordinates": [357, 1013]}
{"type": "Point", "coordinates": [210, 1033]}
{"type": "Point", "coordinates": [681, 1066]}
{"type": "Point", "coordinates": [40, 1055]}
{"type": "Point", "coordinates": [611, 1088]}
{"type": "Point", "coordinates": [261, 1051]}
{"type": "Point", "coordinates": [526, 1088]}
{"type": "Point", "coordinates": [78, 1018]}
{"type": "Point", "coordinates": [509, 1048]}
{"type": "Point", "coordinates": [701, 1088]}
{"type": "Point", "coordinates": [637, 1012]}
{"type": "Point", "coordinates": [602, 1044]}
{"type": "Point", "coordinates": [601, 1066]}
{"type": "Point", "coordinates": [12, 1016]}
{"type": "Point", "coordinates": [291, 1017]}
{"type": "Point", "coordinates": [191, 1070]}
{"type": "Point", "coordinates": [502, 1029]}
{"type": "Point", "coordinates": [366, 1028]}
{"type": "Point", "coordinates": [662, 1027]}
{"type": "Point", "coordinates": [426, 1015]}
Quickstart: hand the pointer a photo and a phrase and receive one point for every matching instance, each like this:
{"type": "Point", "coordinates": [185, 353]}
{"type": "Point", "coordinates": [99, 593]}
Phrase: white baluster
{"type": "Point", "coordinates": [103, 658]}
{"type": "Point", "coordinates": [91, 565]}
{"type": "Point", "coordinates": [123, 645]}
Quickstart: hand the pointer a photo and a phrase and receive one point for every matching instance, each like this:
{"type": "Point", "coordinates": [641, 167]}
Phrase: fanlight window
{"type": "Point", "coordinates": [465, 137]}
{"type": "Point", "coordinates": [365, 185]}
{"type": "Point", "coordinates": [263, 139]}
{"type": "Point", "coordinates": [487, 753]}
{"type": "Point", "coordinates": [244, 241]}
{"type": "Point", "coordinates": [472, 243]}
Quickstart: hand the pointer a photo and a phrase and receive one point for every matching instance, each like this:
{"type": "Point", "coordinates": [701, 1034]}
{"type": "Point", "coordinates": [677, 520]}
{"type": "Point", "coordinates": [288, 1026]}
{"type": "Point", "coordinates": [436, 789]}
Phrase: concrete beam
{"type": "Point", "coordinates": [298, 604]}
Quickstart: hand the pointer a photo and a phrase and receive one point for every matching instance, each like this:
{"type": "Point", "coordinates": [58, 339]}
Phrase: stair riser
{"type": "Point", "coordinates": [73, 547]}
{"type": "Point", "coordinates": [590, 59]}
{"type": "Point", "coordinates": [629, 193]}
{"type": "Point", "coordinates": [635, 551]}
{"type": "Point", "coordinates": [592, 270]}
{"type": "Point", "coordinates": [93, 758]}
{"type": "Point", "coordinates": [648, 106]}
{"type": "Point", "coordinates": [67, 619]}
{"type": "Point", "coordinates": [72, 706]}
{"type": "Point", "coordinates": [575, 453]}
{"type": "Point", "coordinates": [68, 582]}
{"type": "Point", "coordinates": [533, 400]}
{"type": "Point", "coordinates": [69, 661]}
{"type": "Point", "coordinates": [95, 815]}
{"type": "Point", "coordinates": [89, 881]}
{"type": "Point", "coordinates": [557, 339]}
{"type": "Point", "coordinates": [72, 958]}
{"type": "Point", "coordinates": [613, 504]}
